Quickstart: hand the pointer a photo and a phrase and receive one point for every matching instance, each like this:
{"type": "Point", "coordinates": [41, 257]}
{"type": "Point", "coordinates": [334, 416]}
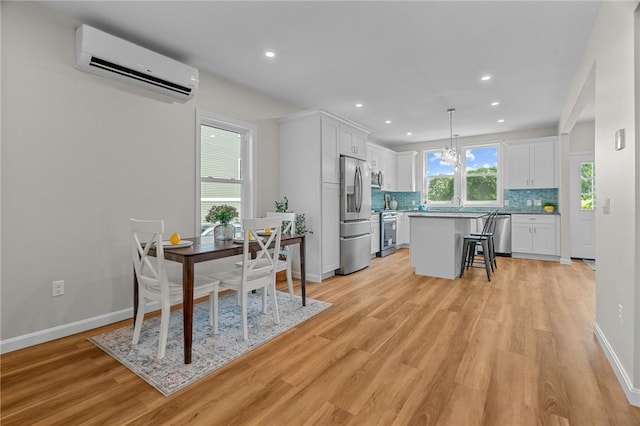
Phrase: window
{"type": "Point", "coordinates": [587, 186]}
{"type": "Point", "coordinates": [224, 166]}
{"type": "Point", "coordinates": [439, 179]}
{"type": "Point", "coordinates": [477, 183]}
{"type": "Point", "coordinates": [482, 183]}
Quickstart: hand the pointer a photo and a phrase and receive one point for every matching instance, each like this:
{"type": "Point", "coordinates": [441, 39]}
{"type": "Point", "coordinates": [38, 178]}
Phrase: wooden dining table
{"type": "Point", "coordinates": [204, 249]}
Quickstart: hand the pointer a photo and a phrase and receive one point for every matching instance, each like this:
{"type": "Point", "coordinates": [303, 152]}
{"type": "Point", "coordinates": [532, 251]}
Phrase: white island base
{"type": "Point", "coordinates": [436, 243]}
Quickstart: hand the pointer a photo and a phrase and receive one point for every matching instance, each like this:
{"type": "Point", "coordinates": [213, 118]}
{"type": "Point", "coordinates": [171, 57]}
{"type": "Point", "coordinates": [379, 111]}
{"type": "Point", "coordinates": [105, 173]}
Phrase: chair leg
{"type": "Point", "coordinates": [289, 279]}
{"type": "Point", "coordinates": [463, 261]}
{"type": "Point", "coordinates": [164, 329]}
{"type": "Point", "coordinates": [245, 327]}
{"type": "Point", "coordinates": [213, 310]}
{"type": "Point", "coordinates": [487, 259]}
{"type": "Point", "coordinates": [137, 327]}
{"type": "Point", "coordinates": [472, 254]}
{"type": "Point", "coordinates": [274, 305]}
{"type": "Point", "coordinates": [265, 292]}
{"type": "Point", "coordinates": [493, 252]}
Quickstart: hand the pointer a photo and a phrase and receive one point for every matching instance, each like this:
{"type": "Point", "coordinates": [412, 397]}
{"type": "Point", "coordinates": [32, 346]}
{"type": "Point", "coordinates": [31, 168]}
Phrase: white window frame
{"type": "Point", "coordinates": [456, 182]}
{"type": "Point", "coordinates": [499, 184]}
{"type": "Point", "coordinates": [248, 132]}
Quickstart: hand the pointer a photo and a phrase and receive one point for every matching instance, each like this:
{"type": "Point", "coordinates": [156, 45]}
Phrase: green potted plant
{"type": "Point", "coordinates": [222, 215]}
{"type": "Point", "coordinates": [282, 206]}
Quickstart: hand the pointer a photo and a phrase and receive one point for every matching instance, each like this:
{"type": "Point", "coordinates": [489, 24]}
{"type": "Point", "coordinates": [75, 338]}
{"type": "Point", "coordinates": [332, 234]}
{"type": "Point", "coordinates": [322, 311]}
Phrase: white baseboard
{"type": "Point", "coordinates": [564, 261]}
{"type": "Point", "coordinates": [42, 336]}
{"type": "Point", "coordinates": [632, 393]}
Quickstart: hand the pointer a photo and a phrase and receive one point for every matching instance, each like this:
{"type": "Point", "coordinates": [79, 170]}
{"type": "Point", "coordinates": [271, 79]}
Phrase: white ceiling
{"type": "Point", "coordinates": [407, 62]}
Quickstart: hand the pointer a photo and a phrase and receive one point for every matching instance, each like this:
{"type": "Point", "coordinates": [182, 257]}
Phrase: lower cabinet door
{"type": "Point", "coordinates": [521, 240]}
{"type": "Point", "coordinates": [544, 237]}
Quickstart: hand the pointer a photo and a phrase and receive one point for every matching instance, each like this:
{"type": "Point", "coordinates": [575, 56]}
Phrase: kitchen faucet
{"type": "Point", "coordinates": [459, 201]}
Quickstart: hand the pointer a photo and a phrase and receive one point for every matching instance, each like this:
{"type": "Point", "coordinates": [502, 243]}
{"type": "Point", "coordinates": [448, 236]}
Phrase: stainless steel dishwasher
{"type": "Point", "coordinates": [502, 234]}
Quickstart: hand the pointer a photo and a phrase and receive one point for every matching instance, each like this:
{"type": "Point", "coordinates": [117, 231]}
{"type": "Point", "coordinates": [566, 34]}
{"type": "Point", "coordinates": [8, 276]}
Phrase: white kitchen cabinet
{"type": "Point", "coordinates": [388, 167]}
{"type": "Point", "coordinates": [309, 176]}
{"type": "Point", "coordinates": [405, 171]}
{"type": "Point", "coordinates": [531, 164]}
{"type": "Point", "coordinates": [330, 227]}
{"type": "Point", "coordinates": [534, 234]}
{"type": "Point", "coordinates": [373, 157]}
{"type": "Point", "coordinates": [330, 142]}
{"type": "Point", "coordinates": [375, 233]}
{"type": "Point", "coordinates": [402, 229]}
{"type": "Point", "coordinates": [353, 142]}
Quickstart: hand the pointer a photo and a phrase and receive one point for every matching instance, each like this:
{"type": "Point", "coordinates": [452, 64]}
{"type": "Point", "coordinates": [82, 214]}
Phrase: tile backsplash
{"type": "Point", "coordinates": [515, 199]}
{"type": "Point", "coordinates": [406, 200]}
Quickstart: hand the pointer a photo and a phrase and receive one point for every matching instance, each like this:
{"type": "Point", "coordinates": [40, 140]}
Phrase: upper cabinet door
{"type": "Point", "coordinates": [405, 171]}
{"type": "Point", "coordinates": [531, 165]}
{"type": "Point", "coordinates": [518, 166]}
{"type": "Point", "coordinates": [353, 142]}
{"type": "Point", "coordinates": [330, 150]}
{"type": "Point", "coordinates": [542, 166]}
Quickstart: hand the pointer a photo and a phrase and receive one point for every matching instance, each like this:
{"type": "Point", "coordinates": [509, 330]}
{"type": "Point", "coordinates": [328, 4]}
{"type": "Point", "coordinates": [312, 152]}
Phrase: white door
{"type": "Point", "coordinates": [582, 205]}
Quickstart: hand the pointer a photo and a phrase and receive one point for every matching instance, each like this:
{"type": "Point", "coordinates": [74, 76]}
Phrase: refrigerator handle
{"type": "Point", "coordinates": [358, 189]}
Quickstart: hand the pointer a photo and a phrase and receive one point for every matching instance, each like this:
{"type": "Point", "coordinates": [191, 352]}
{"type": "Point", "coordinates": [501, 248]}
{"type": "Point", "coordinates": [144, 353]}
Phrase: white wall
{"type": "Point", "coordinates": [80, 156]}
{"type": "Point", "coordinates": [611, 50]}
{"type": "Point", "coordinates": [583, 136]}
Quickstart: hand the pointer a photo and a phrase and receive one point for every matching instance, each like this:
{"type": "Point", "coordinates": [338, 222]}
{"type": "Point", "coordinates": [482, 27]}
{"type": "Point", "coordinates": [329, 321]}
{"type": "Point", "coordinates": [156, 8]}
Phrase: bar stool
{"type": "Point", "coordinates": [485, 240]}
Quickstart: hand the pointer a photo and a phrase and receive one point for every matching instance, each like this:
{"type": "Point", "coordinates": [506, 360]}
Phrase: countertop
{"type": "Point", "coordinates": [448, 215]}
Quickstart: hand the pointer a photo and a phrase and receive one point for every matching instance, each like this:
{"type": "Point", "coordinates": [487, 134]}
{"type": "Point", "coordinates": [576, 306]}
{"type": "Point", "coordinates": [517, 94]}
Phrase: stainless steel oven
{"type": "Point", "coordinates": [388, 228]}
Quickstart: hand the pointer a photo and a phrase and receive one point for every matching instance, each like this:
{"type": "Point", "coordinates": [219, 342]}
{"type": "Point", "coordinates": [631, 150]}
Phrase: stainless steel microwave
{"type": "Point", "coordinates": [376, 179]}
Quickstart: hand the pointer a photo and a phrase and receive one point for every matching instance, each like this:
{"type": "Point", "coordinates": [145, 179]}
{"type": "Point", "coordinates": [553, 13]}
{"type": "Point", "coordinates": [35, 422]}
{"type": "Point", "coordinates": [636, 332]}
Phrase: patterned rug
{"type": "Point", "coordinates": [210, 351]}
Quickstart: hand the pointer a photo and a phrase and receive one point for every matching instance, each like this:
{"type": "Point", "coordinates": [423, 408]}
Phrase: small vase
{"type": "Point", "coordinates": [224, 232]}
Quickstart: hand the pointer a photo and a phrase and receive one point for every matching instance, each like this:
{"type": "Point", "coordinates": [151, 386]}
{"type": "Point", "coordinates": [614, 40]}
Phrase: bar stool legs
{"type": "Point", "coordinates": [469, 253]}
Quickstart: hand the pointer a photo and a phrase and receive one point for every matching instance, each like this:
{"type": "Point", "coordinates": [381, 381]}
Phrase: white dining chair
{"type": "Point", "coordinates": [286, 252]}
{"type": "Point", "coordinates": [155, 285]}
{"type": "Point", "coordinates": [258, 272]}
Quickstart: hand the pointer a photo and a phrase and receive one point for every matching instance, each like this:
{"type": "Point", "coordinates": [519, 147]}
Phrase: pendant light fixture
{"type": "Point", "coordinates": [449, 153]}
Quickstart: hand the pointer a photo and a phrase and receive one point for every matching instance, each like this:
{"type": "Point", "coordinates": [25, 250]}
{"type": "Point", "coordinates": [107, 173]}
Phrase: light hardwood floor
{"type": "Point", "coordinates": [395, 349]}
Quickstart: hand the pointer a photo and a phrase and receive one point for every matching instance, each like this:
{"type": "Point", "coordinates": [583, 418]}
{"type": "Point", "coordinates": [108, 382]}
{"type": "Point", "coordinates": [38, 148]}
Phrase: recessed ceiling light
{"type": "Point", "coordinates": [269, 54]}
{"type": "Point", "coordinates": [409, 133]}
{"type": "Point", "coordinates": [358, 105]}
{"type": "Point", "coordinates": [486, 78]}
{"type": "Point", "coordinates": [388, 122]}
{"type": "Point", "coordinates": [501, 120]}
{"type": "Point", "coordinates": [495, 103]}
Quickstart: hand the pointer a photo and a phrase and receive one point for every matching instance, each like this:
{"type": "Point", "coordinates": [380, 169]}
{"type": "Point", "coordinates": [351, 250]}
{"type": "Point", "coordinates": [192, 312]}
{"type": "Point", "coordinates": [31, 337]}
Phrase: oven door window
{"type": "Point", "coordinates": [388, 234]}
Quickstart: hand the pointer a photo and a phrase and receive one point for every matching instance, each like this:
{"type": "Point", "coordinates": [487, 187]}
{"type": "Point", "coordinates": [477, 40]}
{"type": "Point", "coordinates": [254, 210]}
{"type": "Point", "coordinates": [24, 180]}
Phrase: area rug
{"type": "Point", "coordinates": [210, 351]}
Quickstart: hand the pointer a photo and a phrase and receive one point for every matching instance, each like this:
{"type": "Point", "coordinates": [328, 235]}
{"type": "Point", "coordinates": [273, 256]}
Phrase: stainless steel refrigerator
{"type": "Point", "coordinates": [355, 215]}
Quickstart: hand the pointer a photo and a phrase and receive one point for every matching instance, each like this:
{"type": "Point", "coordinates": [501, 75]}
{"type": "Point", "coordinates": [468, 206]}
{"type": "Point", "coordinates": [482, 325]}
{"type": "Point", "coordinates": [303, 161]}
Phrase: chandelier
{"type": "Point", "coordinates": [450, 154]}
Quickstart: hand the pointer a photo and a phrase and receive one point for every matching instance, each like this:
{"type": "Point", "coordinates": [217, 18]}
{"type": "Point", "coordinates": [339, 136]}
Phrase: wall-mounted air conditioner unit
{"type": "Point", "coordinates": [100, 53]}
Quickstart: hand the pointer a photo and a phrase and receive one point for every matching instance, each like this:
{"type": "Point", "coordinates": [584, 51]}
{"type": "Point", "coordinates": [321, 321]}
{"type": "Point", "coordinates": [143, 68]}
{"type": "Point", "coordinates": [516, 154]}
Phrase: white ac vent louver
{"type": "Point", "coordinates": [103, 54]}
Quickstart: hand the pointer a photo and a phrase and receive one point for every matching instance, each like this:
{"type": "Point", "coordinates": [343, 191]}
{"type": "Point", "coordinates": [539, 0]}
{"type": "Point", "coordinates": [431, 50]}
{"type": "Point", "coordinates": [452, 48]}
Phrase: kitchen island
{"type": "Point", "coordinates": [436, 241]}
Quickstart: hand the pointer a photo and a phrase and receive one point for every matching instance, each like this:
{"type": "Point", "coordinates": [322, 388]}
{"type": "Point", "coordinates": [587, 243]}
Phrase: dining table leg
{"type": "Point", "coordinates": [187, 306]}
{"type": "Point", "coordinates": [303, 274]}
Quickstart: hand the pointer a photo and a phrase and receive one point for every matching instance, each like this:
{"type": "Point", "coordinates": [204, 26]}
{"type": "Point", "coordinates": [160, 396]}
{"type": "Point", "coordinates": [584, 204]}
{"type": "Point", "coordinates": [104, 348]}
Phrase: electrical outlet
{"type": "Point", "coordinates": [506, 202]}
{"type": "Point", "coordinates": [537, 203]}
{"type": "Point", "coordinates": [528, 202]}
{"type": "Point", "coordinates": [57, 288]}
